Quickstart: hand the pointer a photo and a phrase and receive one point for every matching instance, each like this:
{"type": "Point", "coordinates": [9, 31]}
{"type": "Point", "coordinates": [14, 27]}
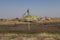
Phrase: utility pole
{"type": "Point", "coordinates": [28, 14]}
{"type": "Point", "coordinates": [29, 26]}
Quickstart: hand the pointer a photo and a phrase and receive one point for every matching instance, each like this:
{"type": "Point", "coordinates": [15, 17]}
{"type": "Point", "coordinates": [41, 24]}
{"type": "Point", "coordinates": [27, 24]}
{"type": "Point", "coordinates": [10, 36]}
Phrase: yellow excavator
{"type": "Point", "coordinates": [30, 18]}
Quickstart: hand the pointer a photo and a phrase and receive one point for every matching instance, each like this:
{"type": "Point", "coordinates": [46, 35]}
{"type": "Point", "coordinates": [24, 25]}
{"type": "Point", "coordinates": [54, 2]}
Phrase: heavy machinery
{"type": "Point", "coordinates": [30, 18]}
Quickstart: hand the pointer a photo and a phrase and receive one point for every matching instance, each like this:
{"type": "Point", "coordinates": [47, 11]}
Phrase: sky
{"type": "Point", "coordinates": [40, 8]}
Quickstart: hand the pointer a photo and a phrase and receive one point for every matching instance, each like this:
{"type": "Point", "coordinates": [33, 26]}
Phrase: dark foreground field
{"type": "Point", "coordinates": [33, 28]}
{"type": "Point", "coordinates": [36, 31]}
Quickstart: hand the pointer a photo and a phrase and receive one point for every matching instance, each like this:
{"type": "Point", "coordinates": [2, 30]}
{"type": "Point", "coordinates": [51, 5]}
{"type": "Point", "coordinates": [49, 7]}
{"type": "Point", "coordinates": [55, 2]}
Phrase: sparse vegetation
{"type": "Point", "coordinates": [42, 30]}
{"type": "Point", "coordinates": [40, 36]}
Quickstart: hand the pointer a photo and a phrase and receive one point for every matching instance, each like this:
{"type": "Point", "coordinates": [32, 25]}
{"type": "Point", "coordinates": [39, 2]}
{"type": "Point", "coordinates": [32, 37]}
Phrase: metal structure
{"type": "Point", "coordinates": [30, 18]}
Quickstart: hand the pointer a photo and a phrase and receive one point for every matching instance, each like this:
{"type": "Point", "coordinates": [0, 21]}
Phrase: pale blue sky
{"type": "Point", "coordinates": [16, 8]}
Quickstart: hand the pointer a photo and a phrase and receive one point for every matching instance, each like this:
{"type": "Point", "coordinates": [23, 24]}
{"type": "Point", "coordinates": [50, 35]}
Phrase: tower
{"type": "Point", "coordinates": [28, 13]}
